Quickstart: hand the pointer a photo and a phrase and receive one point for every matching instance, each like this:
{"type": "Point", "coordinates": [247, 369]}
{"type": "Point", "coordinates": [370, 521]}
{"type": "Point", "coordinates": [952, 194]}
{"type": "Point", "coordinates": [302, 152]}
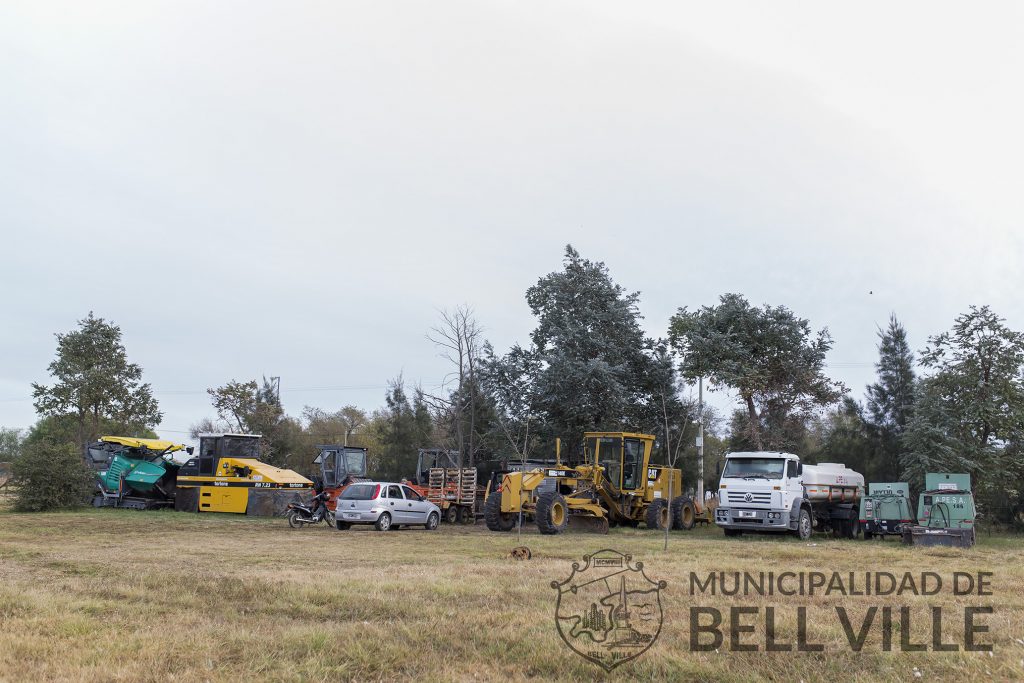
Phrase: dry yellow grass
{"type": "Point", "coordinates": [129, 596]}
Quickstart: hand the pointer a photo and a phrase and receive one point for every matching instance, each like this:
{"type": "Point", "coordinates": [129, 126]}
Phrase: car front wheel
{"type": "Point", "coordinates": [432, 521]}
{"type": "Point", "coordinates": [383, 522]}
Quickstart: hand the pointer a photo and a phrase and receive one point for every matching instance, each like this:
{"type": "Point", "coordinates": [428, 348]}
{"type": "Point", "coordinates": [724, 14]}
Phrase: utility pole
{"type": "Point", "coordinates": [277, 388]}
{"type": "Point", "coordinates": [700, 442]}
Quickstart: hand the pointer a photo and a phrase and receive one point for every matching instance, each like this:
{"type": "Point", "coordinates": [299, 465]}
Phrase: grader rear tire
{"type": "Point", "coordinates": [658, 516]}
{"type": "Point", "coordinates": [552, 513]}
{"type": "Point", "coordinates": [684, 514]}
{"type": "Point", "coordinates": [497, 520]}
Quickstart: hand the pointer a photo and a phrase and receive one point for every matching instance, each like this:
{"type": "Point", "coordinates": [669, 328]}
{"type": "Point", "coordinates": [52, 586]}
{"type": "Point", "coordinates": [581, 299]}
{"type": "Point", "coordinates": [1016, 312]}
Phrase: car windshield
{"type": "Point", "coordinates": [360, 492]}
{"type": "Point", "coordinates": [760, 468]}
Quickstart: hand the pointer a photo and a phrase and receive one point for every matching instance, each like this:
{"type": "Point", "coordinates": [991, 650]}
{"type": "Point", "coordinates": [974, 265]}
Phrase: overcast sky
{"type": "Point", "coordinates": [295, 188]}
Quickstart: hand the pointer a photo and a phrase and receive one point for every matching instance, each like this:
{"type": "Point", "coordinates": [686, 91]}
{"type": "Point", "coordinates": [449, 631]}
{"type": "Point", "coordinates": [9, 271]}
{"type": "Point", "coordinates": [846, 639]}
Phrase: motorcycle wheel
{"type": "Point", "coordinates": [294, 520]}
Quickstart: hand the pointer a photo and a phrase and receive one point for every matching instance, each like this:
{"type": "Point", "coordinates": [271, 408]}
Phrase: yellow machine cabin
{"type": "Point", "coordinates": [615, 484]}
{"type": "Point", "coordinates": [227, 476]}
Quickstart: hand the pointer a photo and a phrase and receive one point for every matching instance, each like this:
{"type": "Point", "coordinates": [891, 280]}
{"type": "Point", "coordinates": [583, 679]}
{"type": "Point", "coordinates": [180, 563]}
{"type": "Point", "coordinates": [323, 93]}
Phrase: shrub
{"type": "Point", "coordinates": [50, 476]}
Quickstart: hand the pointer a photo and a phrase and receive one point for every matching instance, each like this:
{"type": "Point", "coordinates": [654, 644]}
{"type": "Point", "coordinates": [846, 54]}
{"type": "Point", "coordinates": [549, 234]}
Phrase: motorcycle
{"type": "Point", "coordinates": [300, 514]}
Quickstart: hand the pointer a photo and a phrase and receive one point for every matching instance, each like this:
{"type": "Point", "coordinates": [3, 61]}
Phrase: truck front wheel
{"type": "Point", "coordinates": [804, 525]}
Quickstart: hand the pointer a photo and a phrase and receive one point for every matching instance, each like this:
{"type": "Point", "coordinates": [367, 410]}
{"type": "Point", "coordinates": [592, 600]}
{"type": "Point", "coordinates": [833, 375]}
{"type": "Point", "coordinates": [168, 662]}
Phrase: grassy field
{"type": "Point", "coordinates": [130, 596]}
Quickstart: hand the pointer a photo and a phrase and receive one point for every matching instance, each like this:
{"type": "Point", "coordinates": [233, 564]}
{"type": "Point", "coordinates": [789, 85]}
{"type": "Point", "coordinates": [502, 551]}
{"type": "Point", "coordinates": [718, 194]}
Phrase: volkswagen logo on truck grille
{"type": "Point", "coordinates": [749, 497]}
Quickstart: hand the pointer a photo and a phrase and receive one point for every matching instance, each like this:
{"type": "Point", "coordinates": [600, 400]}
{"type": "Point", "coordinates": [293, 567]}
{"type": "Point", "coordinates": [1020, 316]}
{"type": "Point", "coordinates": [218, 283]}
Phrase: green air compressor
{"type": "Point", "coordinates": [885, 510]}
{"type": "Point", "coordinates": [945, 512]}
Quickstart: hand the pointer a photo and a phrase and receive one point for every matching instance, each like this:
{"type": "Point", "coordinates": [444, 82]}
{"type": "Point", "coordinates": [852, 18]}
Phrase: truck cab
{"type": "Point", "coordinates": [757, 492]}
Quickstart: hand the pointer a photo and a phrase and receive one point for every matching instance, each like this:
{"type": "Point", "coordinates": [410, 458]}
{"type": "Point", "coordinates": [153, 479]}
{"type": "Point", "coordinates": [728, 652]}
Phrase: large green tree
{"type": "Point", "coordinates": [11, 441]}
{"type": "Point", "coordinates": [970, 411]}
{"type": "Point", "coordinates": [339, 427]}
{"type": "Point", "coordinates": [590, 366]}
{"type": "Point", "coordinates": [94, 382]}
{"type": "Point", "coordinates": [768, 355]}
{"type": "Point", "coordinates": [255, 408]}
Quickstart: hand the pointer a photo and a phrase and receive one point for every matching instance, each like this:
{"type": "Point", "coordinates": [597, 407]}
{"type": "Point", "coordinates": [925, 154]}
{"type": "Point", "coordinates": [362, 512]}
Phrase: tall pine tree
{"type": "Point", "coordinates": [890, 400]}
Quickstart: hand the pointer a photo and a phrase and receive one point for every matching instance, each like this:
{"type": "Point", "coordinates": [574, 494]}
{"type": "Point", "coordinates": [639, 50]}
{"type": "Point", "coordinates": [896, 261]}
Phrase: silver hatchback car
{"type": "Point", "coordinates": [385, 505]}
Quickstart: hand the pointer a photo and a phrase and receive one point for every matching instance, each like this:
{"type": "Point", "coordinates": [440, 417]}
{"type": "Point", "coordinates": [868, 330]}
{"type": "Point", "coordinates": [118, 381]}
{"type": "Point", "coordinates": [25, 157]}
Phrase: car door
{"type": "Point", "coordinates": [396, 504]}
{"type": "Point", "coordinates": [418, 507]}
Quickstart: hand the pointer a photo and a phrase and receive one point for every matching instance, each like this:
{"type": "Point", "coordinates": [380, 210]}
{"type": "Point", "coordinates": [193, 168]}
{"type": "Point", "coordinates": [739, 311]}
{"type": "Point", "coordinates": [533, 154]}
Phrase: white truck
{"type": "Point", "coordinates": [773, 491]}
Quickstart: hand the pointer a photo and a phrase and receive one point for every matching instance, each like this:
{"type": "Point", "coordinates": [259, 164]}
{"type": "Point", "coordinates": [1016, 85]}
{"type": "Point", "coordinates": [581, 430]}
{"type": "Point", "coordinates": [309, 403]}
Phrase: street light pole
{"type": "Point", "coordinates": [700, 442]}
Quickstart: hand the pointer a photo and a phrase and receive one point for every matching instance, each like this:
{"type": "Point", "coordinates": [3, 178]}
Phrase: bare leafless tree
{"type": "Point", "coordinates": [666, 395]}
{"type": "Point", "coordinates": [460, 339]}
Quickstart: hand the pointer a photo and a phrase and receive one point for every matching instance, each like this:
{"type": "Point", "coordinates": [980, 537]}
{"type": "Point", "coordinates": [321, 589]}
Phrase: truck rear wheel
{"type": "Point", "coordinates": [804, 525]}
{"type": "Point", "coordinates": [552, 513]}
{"type": "Point", "coordinates": [465, 515]}
{"type": "Point", "coordinates": [451, 514]}
{"type": "Point", "coordinates": [496, 519]}
{"type": "Point", "coordinates": [658, 516]}
{"type": "Point", "coordinates": [684, 514]}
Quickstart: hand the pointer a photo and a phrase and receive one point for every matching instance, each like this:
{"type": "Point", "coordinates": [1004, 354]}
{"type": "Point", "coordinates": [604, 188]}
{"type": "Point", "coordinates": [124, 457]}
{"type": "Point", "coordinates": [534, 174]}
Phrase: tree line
{"type": "Point", "coordinates": [955, 405]}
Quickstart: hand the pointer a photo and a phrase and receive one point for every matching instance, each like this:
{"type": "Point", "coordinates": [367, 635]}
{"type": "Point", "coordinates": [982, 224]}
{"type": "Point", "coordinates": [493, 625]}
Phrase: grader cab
{"type": "Point", "coordinates": [614, 484]}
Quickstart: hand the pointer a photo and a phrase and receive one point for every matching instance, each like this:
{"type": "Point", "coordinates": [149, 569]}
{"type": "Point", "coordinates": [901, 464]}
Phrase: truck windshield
{"type": "Point", "coordinates": [759, 468]}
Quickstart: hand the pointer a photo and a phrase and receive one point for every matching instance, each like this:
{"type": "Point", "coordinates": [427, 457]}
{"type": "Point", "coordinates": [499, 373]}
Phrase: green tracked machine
{"type": "Point", "coordinates": [945, 512]}
{"type": "Point", "coordinates": [138, 474]}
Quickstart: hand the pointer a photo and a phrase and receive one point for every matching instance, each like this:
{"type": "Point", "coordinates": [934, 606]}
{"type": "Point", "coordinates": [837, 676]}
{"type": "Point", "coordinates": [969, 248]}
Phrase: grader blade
{"type": "Point", "coordinates": [586, 524]}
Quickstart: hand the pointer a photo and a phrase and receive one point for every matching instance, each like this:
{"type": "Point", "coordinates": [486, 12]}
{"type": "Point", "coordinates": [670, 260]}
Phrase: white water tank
{"type": "Point", "coordinates": [832, 481]}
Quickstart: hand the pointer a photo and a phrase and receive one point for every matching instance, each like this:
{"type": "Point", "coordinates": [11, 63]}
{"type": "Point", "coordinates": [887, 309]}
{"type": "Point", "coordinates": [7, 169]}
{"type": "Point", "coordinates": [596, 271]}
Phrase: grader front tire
{"type": "Point", "coordinates": [552, 513]}
{"type": "Point", "coordinates": [497, 520]}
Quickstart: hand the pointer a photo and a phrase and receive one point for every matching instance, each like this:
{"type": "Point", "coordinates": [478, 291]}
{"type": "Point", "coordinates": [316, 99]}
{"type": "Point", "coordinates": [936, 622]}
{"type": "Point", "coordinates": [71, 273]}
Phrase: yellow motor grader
{"type": "Point", "coordinates": [615, 484]}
